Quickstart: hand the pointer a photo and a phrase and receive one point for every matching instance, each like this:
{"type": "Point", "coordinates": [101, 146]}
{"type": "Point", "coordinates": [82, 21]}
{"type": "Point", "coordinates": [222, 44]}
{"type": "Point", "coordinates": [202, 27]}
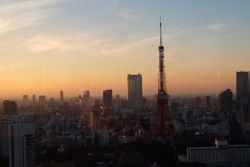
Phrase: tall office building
{"type": "Point", "coordinates": [21, 145]}
{"type": "Point", "coordinates": [226, 102]}
{"type": "Point", "coordinates": [18, 141]}
{"type": "Point", "coordinates": [61, 97]}
{"type": "Point", "coordinates": [135, 91]}
{"type": "Point", "coordinates": [6, 122]}
{"type": "Point", "coordinates": [33, 98]}
{"type": "Point", "coordinates": [242, 88]}
{"type": "Point", "coordinates": [9, 107]}
{"type": "Point", "coordinates": [25, 99]}
{"type": "Point", "coordinates": [243, 99]}
{"type": "Point", "coordinates": [42, 99]}
{"type": "Point", "coordinates": [94, 119]}
{"type": "Point", "coordinates": [86, 97]}
{"type": "Point", "coordinates": [107, 98]}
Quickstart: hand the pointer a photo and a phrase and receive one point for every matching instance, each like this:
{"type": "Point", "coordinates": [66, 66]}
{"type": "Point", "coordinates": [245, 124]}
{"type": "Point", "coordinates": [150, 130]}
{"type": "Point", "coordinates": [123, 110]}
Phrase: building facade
{"type": "Point", "coordinates": [242, 88]}
{"type": "Point", "coordinates": [18, 141]}
{"type": "Point", "coordinates": [243, 99]}
{"type": "Point", "coordinates": [246, 119]}
{"type": "Point", "coordinates": [226, 102]}
{"type": "Point", "coordinates": [7, 121]}
{"type": "Point", "coordinates": [61, 97]}
{"type": "Point", "coordinates": [94, 120]}
{"type": "Point", "coordinates": [107, 98]}
{"type": "Point", "coordinates": [21, 145]}
{"type": "Point", "coordinates": [224, 155]}
{"type": "Point", "coordinates": [42, 99]}
{"type": "Point", "coordinates": [25, 99]}
{"type": "Point", "coordinates": [9, 107]}
{"type": "Point", "coordinates": [86, 97]}
{"type": "Point", "coordinates": [135, 99]}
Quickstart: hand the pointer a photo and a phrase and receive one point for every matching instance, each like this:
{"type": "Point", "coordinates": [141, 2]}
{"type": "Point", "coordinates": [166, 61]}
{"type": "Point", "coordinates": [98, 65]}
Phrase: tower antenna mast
{"type": "Point", "coordinates": [160, 33]}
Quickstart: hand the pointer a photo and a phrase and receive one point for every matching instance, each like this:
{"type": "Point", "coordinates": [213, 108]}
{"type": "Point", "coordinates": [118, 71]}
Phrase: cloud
{"type": "Point", "coordinates": [14, 16]}
{"type": "Point", "coordinates": [216, 27]}
{"type": "Point", "coordinates": [43, 43]}
{"type": "Point", "coordinates": [124, 14]}
{"type": "Point", "coordinates": [48, 42]}
{"type": "Point", "coordinates": [10, 67]}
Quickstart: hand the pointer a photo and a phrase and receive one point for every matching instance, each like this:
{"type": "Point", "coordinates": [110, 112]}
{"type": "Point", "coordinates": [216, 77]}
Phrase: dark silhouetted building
{"type": "Point", "coordinates": [33, 98]}
{"type": "Point", "coordinates": [107, 98]}
{"type": "Point", "coordinates": [226, 102]}
{"type": "Point", "coordinates": [207, 100]}
{"type": "Point", "coordinates": [243, 99]}
{"type": "Point", "coordinates": [246, 119]}
{"type": "Point", "coordinates": [94, 120]}
{"type": "Point", "coordinates": [242, 88]}
{"type": "Point", "coordinates": [9, 107]}
{"type": "Point", "coordinates": [61, 97]}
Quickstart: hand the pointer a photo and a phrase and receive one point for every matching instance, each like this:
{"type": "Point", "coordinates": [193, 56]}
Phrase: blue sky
{"type": "Point", "coordinates": [76, 45]}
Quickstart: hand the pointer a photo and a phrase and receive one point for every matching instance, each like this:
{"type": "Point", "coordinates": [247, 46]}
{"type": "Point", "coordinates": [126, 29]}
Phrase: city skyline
{"type": "Point", "coordinates": [52, 45]}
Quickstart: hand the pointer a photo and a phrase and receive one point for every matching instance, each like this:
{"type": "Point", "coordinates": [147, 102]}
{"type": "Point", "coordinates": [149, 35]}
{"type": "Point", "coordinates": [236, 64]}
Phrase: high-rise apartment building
{"type": "Point", "coordinates": [18, 141]}
{"type": "Point", "coordinates": [9, 107]}
{"type": "Point", "coordinates": [21, 145]}
{"type": "Point", "coordinates": [135, 91]}
{"type": "Point", "coordinates": [107, 98]}
{"type": "Point", "coordinates": [6, 122]}
{"type": "Point", "coordinates": [242, 88]}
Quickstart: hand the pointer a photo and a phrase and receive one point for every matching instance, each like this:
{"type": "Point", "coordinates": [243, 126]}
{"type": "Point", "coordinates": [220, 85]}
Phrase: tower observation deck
{"type": "Point", "coordinates": [162, 125]}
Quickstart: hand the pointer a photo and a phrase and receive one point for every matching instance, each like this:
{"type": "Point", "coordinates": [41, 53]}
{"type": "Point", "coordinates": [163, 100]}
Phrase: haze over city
{"type": "Point", "coordinates": [52, 45]}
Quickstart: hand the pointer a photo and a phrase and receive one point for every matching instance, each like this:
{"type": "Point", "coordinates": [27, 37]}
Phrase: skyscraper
{"type": "Point", "coordinates": [243, 99]}
{"type": "Point", "coordinates": [107, 98]}
{"type": "Point", "coordinates": [6, 122]}
{"type": "Point", "coordinates": [61, 97]}
{"type": "Point", "coordinates": [94, 119]}
{"type": "Point", "coordinates": [9, 107]}
{"type": "Point", "coordinates": [25, 99]}
{"type": "Point", "coordinates": [135, 91]}
{"type": "Point", "coordinates": [21, 145]}
{"type": "Point", "coordinates": [42, 99]}
{"type": "Point", "coordinates": [226, 102]}
{"type": "Point", "coordinates": [33, 98]}
{"type": "Point", "coordinates": [242, 88]}
{"type": "Point", "coordinates": [86, 97]}
{"type": "Point", "coordinates": [18, 141]}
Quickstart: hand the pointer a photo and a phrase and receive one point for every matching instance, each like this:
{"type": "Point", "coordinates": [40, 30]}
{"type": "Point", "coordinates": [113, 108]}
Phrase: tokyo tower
{"type": "Point", "coordinates": [162, 125]}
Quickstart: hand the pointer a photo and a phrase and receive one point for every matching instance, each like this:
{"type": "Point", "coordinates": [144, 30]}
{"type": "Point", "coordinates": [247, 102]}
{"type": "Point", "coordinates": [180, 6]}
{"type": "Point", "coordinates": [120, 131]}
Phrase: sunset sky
{"type": "Point", "coordinates": [76, 45]}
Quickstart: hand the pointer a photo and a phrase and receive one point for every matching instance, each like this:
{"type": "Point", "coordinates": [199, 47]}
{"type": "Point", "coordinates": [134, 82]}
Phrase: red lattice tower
{"type": "Point", "coordinates": [162, 125]}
